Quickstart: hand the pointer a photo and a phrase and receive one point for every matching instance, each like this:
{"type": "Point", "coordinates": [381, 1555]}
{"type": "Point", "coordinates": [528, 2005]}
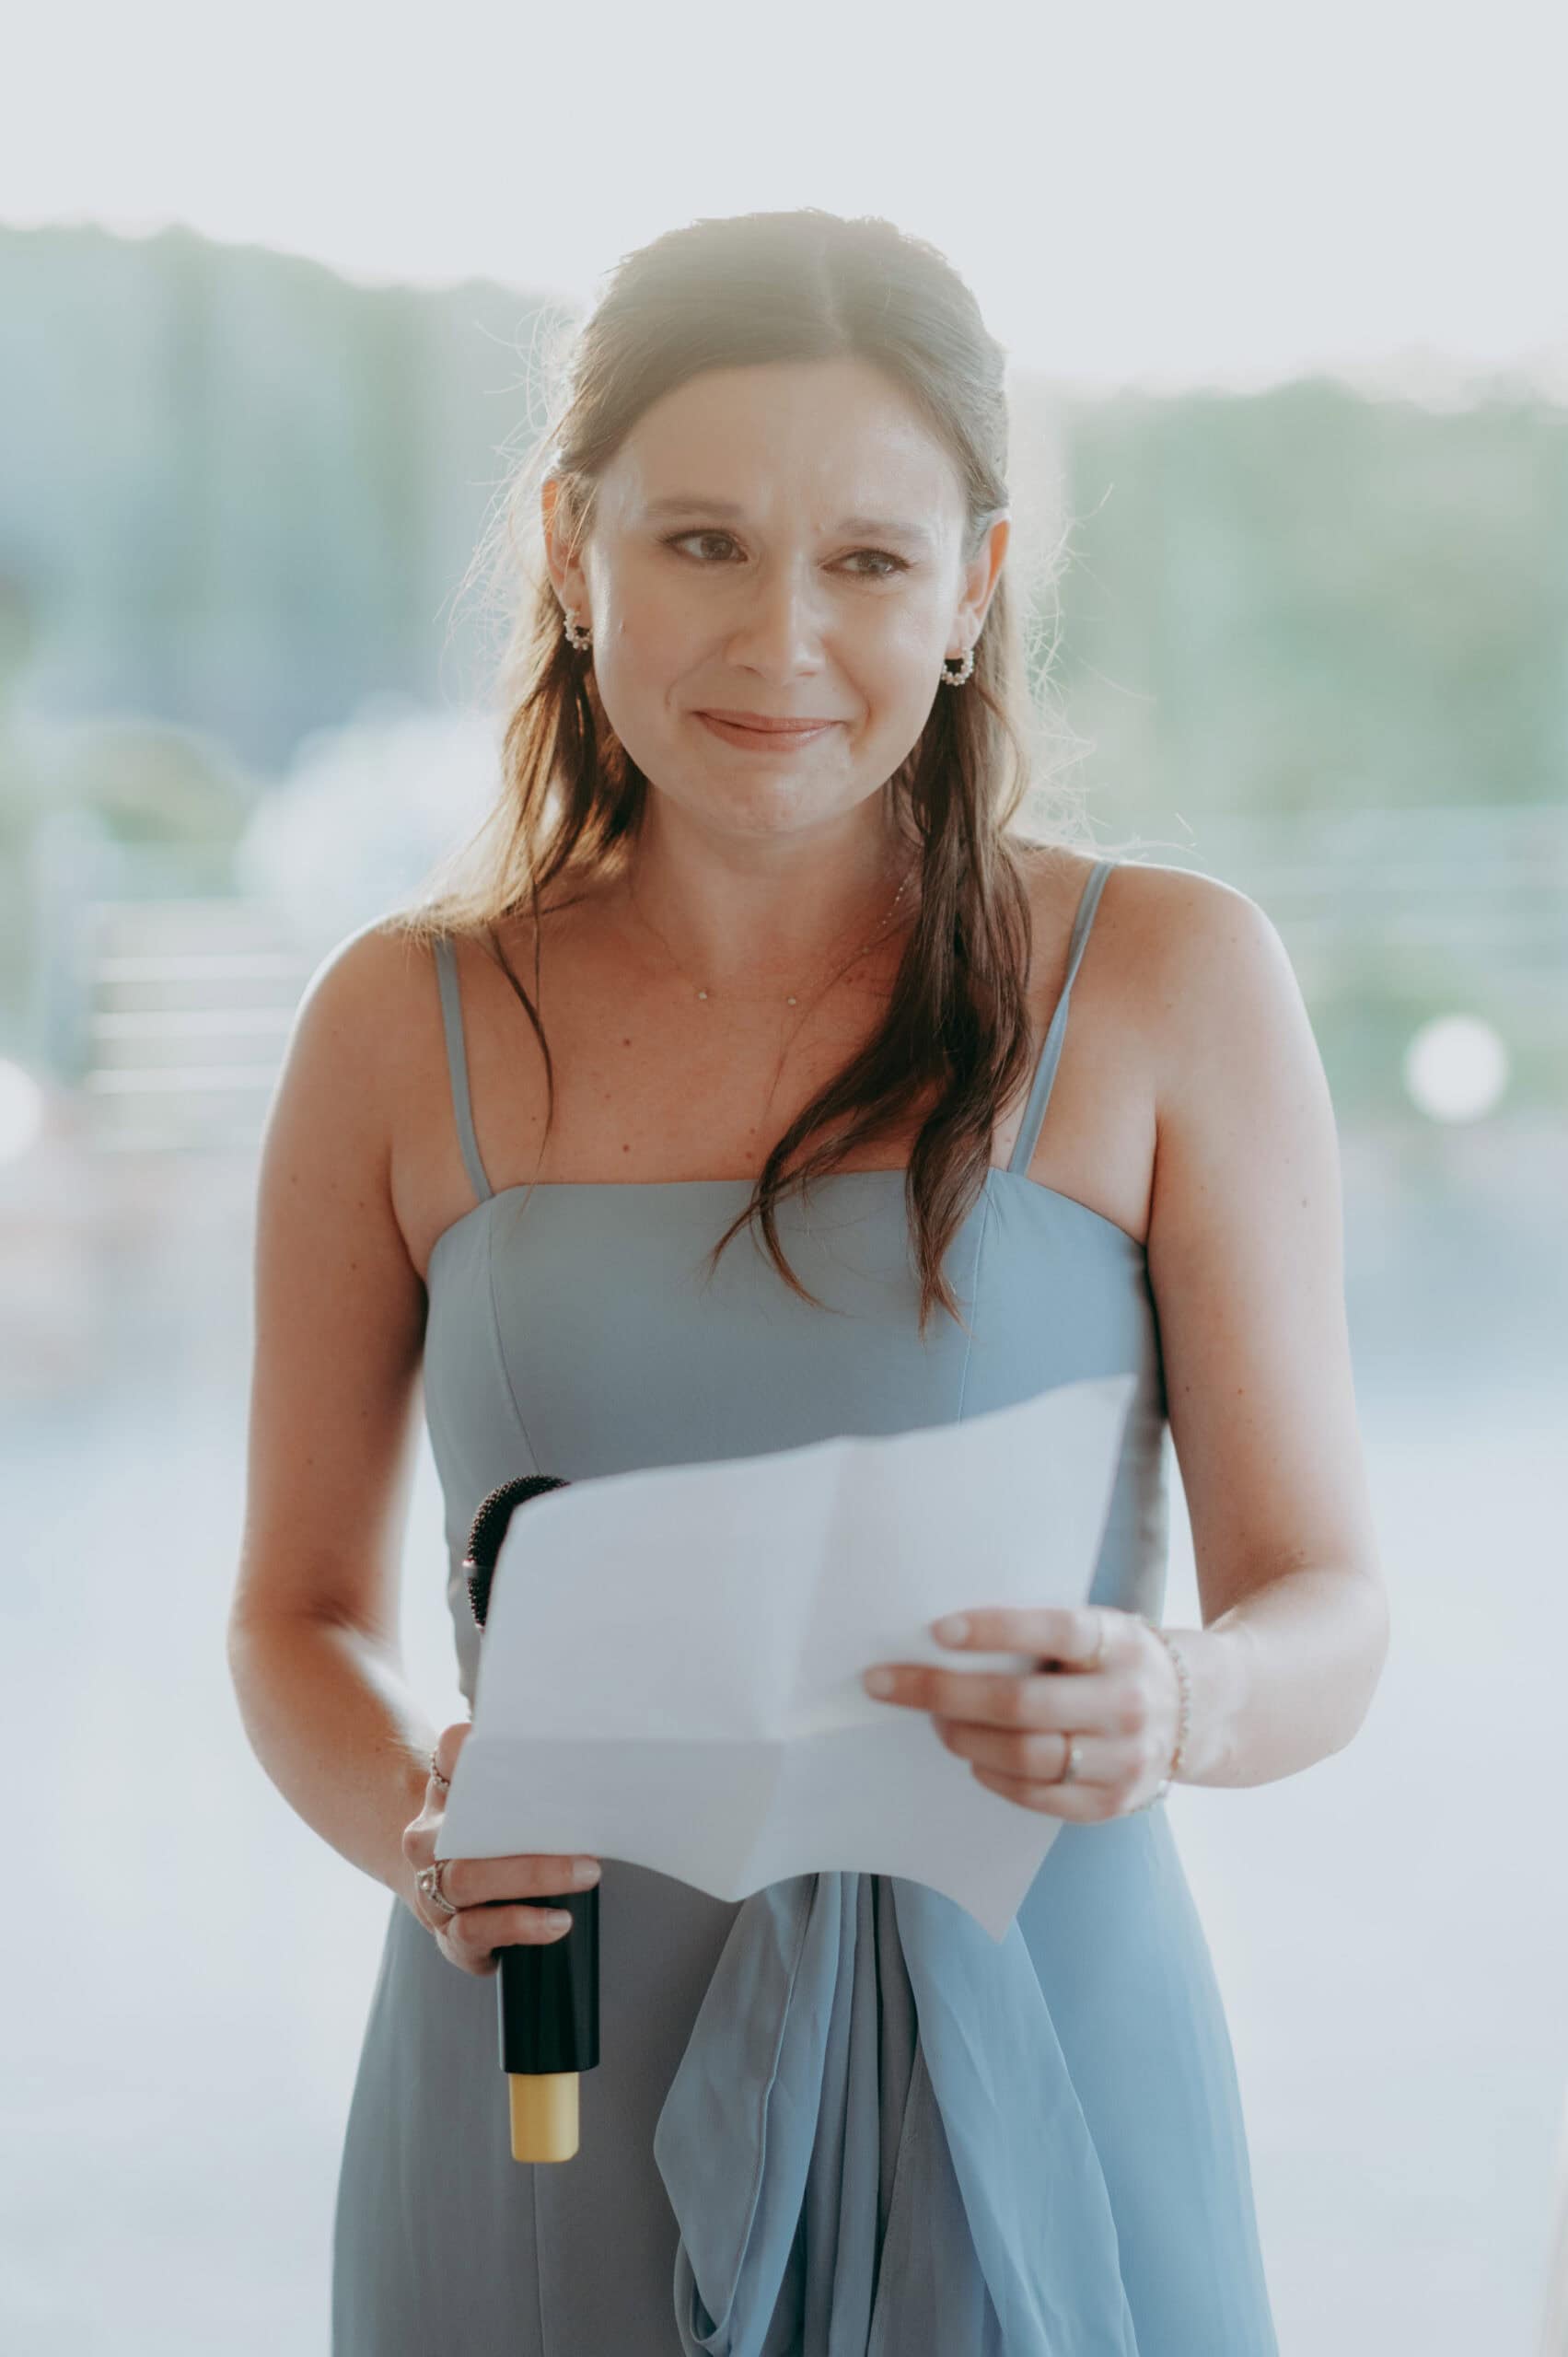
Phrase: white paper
{"type": "Point", "coordinates": [671, 1663]}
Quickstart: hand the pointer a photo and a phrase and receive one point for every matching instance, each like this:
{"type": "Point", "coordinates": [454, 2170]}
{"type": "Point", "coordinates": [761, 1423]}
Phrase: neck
{"type": "Point", "coordinates": [760, 915]}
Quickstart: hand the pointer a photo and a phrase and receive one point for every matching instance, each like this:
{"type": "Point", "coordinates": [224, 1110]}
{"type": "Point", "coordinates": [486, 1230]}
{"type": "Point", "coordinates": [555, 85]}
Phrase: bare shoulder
{"type": "Point", "coordinates": [1165, 950]}
{"type": "Point", "coordinates": [346, 1021]}
{"type": "Point", "coordinates": [1185, 1013]}
{"type": "Point", "coordinates": [369, 1010]}
{"type": "Point", "coordinates": [360, 973]}
{"type": "Point", "coordinates": [377, 994]}
{"type": "Point", "coordinates": [1217, 992]}
{"type": "Point", "coordinates": [394, 1061]}
{"type": "Point", "coordinates": [1141, 906]}
{"type": "Point", "coordinates": [1247, 1173]}
{"type": "Point", "coordinates": [366, 1080]}
{"type": "Point", "coordinates": [1163, 939]}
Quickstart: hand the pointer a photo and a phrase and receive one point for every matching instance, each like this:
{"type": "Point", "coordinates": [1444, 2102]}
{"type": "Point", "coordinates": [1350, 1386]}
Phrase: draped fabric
{"type": "Point", "coordinates": [871, 2144]}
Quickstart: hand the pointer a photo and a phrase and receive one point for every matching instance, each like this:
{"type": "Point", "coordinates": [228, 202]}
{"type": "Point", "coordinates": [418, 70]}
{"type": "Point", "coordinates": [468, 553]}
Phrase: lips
{"type": "Point", "coordinates": [760, 735]}
{"type": "Point", "coordinates": [765, 725]}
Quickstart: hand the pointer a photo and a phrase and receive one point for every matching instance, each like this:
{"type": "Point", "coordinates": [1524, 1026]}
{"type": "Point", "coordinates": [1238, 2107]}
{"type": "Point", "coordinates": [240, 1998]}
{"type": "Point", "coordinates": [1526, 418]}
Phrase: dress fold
{"type": "Point", "coordinates": [873, 2142]}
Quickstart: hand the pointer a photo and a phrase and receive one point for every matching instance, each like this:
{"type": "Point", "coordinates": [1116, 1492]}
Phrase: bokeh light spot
{"type": "Point", "coordinates": [1456, 1068]}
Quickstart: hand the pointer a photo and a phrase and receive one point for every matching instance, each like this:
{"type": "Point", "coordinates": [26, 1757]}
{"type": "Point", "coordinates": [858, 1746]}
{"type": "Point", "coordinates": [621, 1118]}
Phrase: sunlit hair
{"type": "Point", "coordinates": [723, 294]}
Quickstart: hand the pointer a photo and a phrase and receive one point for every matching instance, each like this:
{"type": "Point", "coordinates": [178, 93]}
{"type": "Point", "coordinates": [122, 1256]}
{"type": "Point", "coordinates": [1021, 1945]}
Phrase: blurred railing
{"type": "Point", "coordinates": [189, 1003]}
{"type": "Point", "coordinates": [169, 1008]}
{"type": "Point", "coordinates": [1483, 882]}
{"type": "Point", "coordinates": [163, 1003]}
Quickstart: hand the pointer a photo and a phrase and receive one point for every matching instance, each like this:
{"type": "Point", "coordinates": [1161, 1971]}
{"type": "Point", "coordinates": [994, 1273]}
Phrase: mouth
{"type": "Point", "coordinates": [759, 733]}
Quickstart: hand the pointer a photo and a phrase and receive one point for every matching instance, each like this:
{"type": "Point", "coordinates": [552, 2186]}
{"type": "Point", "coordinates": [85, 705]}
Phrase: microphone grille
{"type": "Point", "coordinates": [489, 1528]}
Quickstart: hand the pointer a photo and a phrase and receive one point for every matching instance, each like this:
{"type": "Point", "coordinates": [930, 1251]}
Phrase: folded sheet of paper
{"type": "Point", "coordinates": [672, 1665]}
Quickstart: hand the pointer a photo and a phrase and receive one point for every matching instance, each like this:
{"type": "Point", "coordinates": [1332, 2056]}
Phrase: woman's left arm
{"type": "Point", "coordinates": [1246, 1261]}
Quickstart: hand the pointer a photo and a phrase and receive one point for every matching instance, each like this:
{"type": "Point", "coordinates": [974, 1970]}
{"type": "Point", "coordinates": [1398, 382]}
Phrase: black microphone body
{"type": "Point", "coordinates": [548, 1992]}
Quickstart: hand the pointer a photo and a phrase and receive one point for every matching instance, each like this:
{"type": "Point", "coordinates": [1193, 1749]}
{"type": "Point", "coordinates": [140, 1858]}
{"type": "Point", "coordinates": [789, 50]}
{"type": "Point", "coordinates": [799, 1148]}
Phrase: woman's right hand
{"type": "Point", "coordinates": [479, 1887]}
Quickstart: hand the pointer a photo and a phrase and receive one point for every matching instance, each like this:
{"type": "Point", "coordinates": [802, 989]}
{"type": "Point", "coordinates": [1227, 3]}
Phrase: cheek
{"type": "Point", "coordinates": [907, 653]}
{"type": "Point", "coordinates": [889, 656]}
{"type": "Point", "coordinates": [642, 659]}
{"type": "Point", "coordinates": [652, 638]}
{"type": "Point", "coordinates": [900, 691]}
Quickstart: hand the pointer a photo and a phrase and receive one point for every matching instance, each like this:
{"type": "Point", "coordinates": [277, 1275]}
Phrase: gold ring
{"type": "Point", "coordinates": [427, 1882]}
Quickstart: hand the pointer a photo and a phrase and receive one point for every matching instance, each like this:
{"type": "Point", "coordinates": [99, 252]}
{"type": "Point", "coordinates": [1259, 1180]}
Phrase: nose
{"type": "Point", "coordinates": [778, 628]}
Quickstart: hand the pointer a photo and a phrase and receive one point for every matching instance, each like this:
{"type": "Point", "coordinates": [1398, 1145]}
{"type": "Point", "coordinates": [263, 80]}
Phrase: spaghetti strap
{"type": "Point", "coordinates": [1051, 1052]}
{"type": "Point", "coordinates": [457, 1064]}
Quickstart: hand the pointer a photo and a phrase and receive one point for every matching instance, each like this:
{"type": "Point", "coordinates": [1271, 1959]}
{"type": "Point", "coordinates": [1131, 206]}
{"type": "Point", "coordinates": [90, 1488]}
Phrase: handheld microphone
{"type": "Point", "coordinates": [548, 1992]}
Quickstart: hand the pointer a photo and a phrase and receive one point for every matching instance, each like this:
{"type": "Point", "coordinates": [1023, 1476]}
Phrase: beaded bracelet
{"type": "Point", "coordinates": [1186, 1692]}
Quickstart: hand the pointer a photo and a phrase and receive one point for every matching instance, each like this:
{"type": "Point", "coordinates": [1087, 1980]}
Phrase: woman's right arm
{"type": "Point", "coordinates": [314, 1646]}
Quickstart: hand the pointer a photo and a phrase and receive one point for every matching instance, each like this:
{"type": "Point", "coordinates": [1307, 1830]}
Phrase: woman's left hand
{"type": "Point", "coordinates": [1123, 1707]}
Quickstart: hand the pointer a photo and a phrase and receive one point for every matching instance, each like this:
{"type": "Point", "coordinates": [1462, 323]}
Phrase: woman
{"type": "Point", "coordinates": [756, 853]}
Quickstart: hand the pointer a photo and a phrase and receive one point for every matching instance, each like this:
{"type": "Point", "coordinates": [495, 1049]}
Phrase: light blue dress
{"type": "Point", "coordinates": [836, 2119]}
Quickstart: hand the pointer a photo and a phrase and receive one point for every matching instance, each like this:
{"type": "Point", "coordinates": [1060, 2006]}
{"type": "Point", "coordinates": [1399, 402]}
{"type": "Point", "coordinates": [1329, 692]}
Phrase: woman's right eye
{"type": "Point", "coordinates": [675, 539]}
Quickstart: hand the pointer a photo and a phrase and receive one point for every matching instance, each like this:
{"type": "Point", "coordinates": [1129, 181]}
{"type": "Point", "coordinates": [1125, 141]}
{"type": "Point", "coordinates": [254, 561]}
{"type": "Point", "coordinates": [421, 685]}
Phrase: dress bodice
{"type": "Point", "coordinates": [573, 1327]}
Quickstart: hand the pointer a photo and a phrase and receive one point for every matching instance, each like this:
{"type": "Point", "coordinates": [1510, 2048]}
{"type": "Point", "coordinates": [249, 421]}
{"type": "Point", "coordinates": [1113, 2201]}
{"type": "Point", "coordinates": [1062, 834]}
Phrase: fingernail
{"type": "Point", "coordinates": [585, 1870]}
{"type": "Point", "coordinates": [558, 1921]}
{"type": "Point", "coordinates": [878, 1682]}
{"type": "Point", "coordinates": [953, 1630]}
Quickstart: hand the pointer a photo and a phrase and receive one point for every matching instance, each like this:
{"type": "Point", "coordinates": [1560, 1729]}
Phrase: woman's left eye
{"type": "Point", "coordinates": [892, 564]}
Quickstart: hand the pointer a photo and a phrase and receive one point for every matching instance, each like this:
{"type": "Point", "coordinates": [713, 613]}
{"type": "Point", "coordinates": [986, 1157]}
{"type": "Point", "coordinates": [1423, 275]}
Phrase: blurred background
{"type": "Point", "coordinates": [1284, 299]}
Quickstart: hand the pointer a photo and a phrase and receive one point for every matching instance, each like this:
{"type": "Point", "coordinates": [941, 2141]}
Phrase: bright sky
{"type": "Point", "coordinates": [1172, 191]}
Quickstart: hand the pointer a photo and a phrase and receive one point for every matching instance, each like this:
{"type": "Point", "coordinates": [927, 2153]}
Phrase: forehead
{"type": "Point", "coordinates": [826, 437]}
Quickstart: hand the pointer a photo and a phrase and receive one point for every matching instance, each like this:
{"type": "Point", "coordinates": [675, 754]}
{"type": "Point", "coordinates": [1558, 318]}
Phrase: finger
{"type": "Point", "coordinates": [1070, 1701]}
{"type": "Point", "coordinates": [1083, 1636]}
{"type": "Point", "coordinates": [448, 1743]}
{"type": "Point", "coordinates": [479, 1882]}
{"type": "Point", "coordinates": [1042, 1759]}
{"type": "Point", "coordinates": [477, 1930]}
{"type": "Point", "coordinates": [1077, 1803]}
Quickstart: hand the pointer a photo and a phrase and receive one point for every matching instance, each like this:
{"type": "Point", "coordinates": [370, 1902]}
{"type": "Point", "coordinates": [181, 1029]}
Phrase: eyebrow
{"type": "Point", "coordinates": [683, 503]}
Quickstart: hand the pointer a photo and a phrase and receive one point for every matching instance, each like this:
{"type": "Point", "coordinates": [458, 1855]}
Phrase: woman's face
{"type": "Point", "coordinates": [781, 541]}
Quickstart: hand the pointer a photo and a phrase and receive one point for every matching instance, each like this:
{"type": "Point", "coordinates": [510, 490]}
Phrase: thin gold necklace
{"type": "Point", "coordinates": [791, 998]}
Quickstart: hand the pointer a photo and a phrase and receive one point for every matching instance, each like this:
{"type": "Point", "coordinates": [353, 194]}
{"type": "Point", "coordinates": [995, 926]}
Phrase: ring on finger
{"type": "Point", "coordinates": [1072, 1771]}
{"type": "Point", "coordinates": [427, 1882]}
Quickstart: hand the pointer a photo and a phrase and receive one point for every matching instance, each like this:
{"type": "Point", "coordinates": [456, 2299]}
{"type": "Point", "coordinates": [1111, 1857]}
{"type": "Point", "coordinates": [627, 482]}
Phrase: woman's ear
{"type": "Point", "coordinates": [565, 572]}
{"type": "Point", "coordinates": [980, 576]}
